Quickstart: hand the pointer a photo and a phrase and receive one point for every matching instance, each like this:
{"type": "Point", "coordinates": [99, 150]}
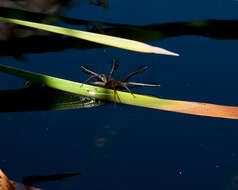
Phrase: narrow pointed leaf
{"type": "Point", "coordinates": [93, 37]}
{"type": "Point", "coordinates": [195, 108]}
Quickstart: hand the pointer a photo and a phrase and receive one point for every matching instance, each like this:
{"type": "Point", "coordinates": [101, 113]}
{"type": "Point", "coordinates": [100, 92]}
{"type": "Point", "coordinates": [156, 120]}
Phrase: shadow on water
{"type": "Point", "coordinates": [30, 180]}
{"type": "Point", "coordinates": [15, 45]}
{"type": "Point", "coordinates": [44, 93]}
{"type": "Point", "coordinates": [38, 98]}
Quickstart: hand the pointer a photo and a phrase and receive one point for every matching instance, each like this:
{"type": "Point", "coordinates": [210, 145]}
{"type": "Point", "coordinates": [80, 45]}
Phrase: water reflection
{"type": "Point", "coordinates": [233, 185]}
{"type": "Point", "coordinates": [10, 31]}
{"type": "Point", "coordinates": [103, 3]}
{"type": "Point", "coordinates": [108, 133]}
{"type": "Point", "coordinates": [43, 98]}
{"type": "Point", "coordinates": [40, 6]}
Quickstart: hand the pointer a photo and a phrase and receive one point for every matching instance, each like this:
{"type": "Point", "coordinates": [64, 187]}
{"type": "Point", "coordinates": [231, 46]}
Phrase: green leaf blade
{"type": "Point", "coordinates": [94, 37]}
{"type": "Point", "coordinates": [186, 107]}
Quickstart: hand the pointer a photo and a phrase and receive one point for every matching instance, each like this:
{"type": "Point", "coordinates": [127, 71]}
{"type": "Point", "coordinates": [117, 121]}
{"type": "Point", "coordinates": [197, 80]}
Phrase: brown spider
{"type": "Point", "coordinates": [114, 84]}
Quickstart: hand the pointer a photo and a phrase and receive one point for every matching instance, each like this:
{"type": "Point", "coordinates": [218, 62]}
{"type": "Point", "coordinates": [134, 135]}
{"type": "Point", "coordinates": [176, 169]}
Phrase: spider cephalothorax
{"type": "Point", "coordinates": [110, 83]}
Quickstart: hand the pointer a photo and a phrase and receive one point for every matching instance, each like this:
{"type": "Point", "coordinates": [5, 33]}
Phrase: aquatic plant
{"type": "Point", "coordinates": [94, 37]}
{"type": "Point", "coordinates": [195, 108]}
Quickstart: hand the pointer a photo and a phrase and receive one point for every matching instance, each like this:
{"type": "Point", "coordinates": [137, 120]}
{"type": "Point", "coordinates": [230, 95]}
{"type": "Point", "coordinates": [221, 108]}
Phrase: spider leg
{"type": "Point", "coordinates": [104, 78]}
{"type": "Point", "coordinates": [143, 84]}
{"type": "Point", "coordinates": [97, 83]}
{"type": "Point", "coordinates": [114, 95]}
{"type": "Point", "coordinates": [94, 75]}
{"type": "Point", "coordinates": [88, 71]}
{"type": "Point", "coordinates": [141, 70]}
{"type": "Point", "coordinates": [89, 78]}
{"type": "Point", "coordinates": [126, 87]}
{"type": "Point", "coordinates": [114, 67]}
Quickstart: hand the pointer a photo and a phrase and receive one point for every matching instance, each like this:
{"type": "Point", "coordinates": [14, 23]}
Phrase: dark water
{"type": "Point", "coordinates": [130, 147]}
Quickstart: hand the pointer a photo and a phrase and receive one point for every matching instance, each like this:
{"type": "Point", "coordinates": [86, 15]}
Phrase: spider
{"type": "Point", "coordinates": [110, 83]}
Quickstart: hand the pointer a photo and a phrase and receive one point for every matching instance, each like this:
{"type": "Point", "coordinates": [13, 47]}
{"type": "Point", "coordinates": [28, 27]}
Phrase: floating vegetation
{"type": "Point", "coordinates": [94, 37]}
{"type": "Point", "coordinates": [194, 108]}
{"type": "Point", "coordinates": [106, 94]}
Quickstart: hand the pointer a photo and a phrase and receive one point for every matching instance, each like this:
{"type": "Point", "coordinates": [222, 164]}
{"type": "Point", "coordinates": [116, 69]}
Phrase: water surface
{"type": "Point", "coordinates": [131, 147]}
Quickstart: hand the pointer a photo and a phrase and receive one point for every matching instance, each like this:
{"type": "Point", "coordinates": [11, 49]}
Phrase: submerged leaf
{"type": "Point", "coordinates": [94, 37]}
{"type": "Point", "coordinates": [195, 108]}
{"type": "Point", "coordinates": [43, 98]}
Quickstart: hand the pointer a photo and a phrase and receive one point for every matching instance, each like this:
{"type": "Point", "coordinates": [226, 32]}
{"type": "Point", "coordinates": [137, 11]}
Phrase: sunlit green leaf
{"type": "Point", "coordinates": [195, 108]}
{"type": "Point", "coordinates": [94, 37]}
